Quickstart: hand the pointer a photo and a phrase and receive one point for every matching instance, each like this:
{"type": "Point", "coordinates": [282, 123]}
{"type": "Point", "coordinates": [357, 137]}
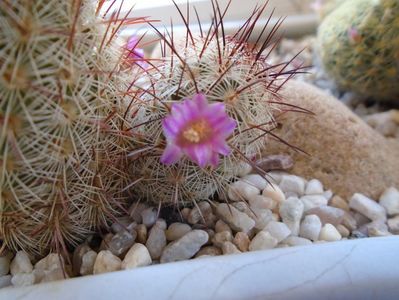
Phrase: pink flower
{"type": "Point", "coordinates": [136, 54]}
{"type": "Point", "coordinates": [197, 129]}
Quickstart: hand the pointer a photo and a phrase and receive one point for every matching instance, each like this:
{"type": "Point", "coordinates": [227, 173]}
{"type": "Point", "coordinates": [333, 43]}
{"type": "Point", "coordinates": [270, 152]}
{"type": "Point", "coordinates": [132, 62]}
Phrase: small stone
{"type": "Point", "coordinates": [149, 216]}
{"type": "Point", "coordinates": [390, 201]}
{"type": "Point", "coordinates": [241, 240]}
{"type": "Point", "coordinates": [296, 241]}
{"type": "Point", "coordinates": [358, 235]}
{"type": "Point", "coordinates": [185, 247]}
{"type": "Point", "coordinates": [237, 220]}
{"type": "Point", "coordinates": [310, 227]}
{"type": "Point", "coordinates": [137, 256]}
{"type": "Point", "coordinates": [328, 195]}
{"type": "Point", "coordinates": [375, 228]}
{"type": "Point", "coordinates": [39, 275]}
{"type": "Point", "coordinates": [260, 201]}
{"type": "Point", "coordinates": [222, 226]}
{"type": "Point", "coordinates": [54, 275]}
{"type": "Point", "coordinates": [328, 214]}
{"type": "Point", "coordinates": [4, 265]}
{"type": "Point", "coordinates": [161, 223]}
{"type": "Point", "coordinates": [360, 219]}
{"type": "Point", "coordinates": [261, 216]}
{"type": "Point", "coordinates": [276, 176]}
{"type": "Point", "coordinates": [329, 233]}
{"type": "Point", "coordinates": [255, 180]}
{"type": "Point", "coordinates": [141, 231]}
{"type": "Point", "coordinates": [367, 207]}
{"type": "Point", "coordinates": [343, 231]}
{"type": "Point", "coordinates": [200, 213]}
{"type": "Point", "coordinates": [292, 183]}
{"type": "Point", "coordinates": [349, 221]}
{"type": "Point", "coordinates": [121, 224]}
{"type": "Point", "coordinates": [156, 242]}
{"type": "Point", "coordinates": [393, 225]}
{"type": "Point", "coordinates": [209, 251]}
{"type": "Point", "coordinates": [278, 230]}
{"type": "Point", "coordinates": [338, 202]}
{"type": "Point", "coordinates": [312, 201]}
{"type": "Point", "coordinates": [262, 241]}
{"type": "Point", "coordinates": [176, 231]}
{"type": "Point", "coordinates": [241, 191]}
{"type": "Point", "coordinates": [105, 242]}
{"type": "Point", "coordinates": [229, 248]}
{"type": "Point", "coordinates": [185, 212]}
{"type": "Point", "coordinates": [106, 262]}
{"type": "Point", "coordinates": [20, 264]}
{"type": "Point", "coordinates": [23, 279]}
{"type": "Point", "coordinates": [243, 169]}
{"type": "Point", "coordinates": [221, 237]}
{"type": "Point", "coordinates": [274, 192]}
{"type": "Point", "coordinates": [291, 211]}
{"type": "Point", "coordinates": [121, 242]}
{"type": "Point", "coordinates": [88, 260]}
{"type": "Point", "coordinates": [5, 281]}
{"type": "Point", "coordinates": [135, 211]}
{"type": "Point", "coordinates": [77, 257]}
{"type": "Point", "coordinates": [211, 234]}
{"type": "Point", "coordinates": [51, 262]}
{"type": "Point", "coordinates": [275, 162]}
{"type": "Point", "coordinates": [314, 187]}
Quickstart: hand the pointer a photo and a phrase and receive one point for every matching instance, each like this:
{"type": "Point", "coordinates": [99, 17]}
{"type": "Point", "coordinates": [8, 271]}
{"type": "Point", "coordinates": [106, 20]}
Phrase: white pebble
{"type": "Point", "coordinates": [156, 241]}
{"type": "Point", "coordinates": [51, 262]}
{"type": "Point", "coordinates": [259, 201]}
{"type": "Point", "coordinates": [220, 237]}
{"type": "Point", "coordinates": [390, 201]}
{"type": "Point", "coordinates": [176, 231]}
{"type": "Point", "coordinates": [23, 279]}
{"type": "Point", "coordinates": [241, 191]}
{"type": "Point", "coordinates": [291, 211]}
{"type": "Point", "coordinates": [255, 180]}
{"type": "Point", "coordinates": [367, 207]}
{"type": "Point", "coordinates": [21, 264]}
{"type": "Point", "coordinates": [310, 227]}
{"type": "Point", "coordinates": [149, 216]}
{"type": "Point", "coordinates": [328, 195]}
{"type": "Point", "coordinates": [261, 217]}
{"type": "Point", "coordinates": [237, 220]}
{"type": "Point", "coordinates": [274, 192]}
{"type": "Point", "coordinates": [314, 187]}
{"type": "Point", "coordinates": [229, 248]}
{"type": "Point", "coordinates": [185, 247]}
{"type": "Point", "coordinates": [262, 241]}
{"type": "Point", "coordinates": [243, 169]}
{"type": "Point", "coordinates": [329, 233]}
{"type": "Point", "coordinates": [88, 260]}
{"type": "Point", "coordinates": [137, 256]}
{"type": "Point", "coordinates": [276, 176]}
{"type": "Point", "coordinates": [278, 230]}
{"type": "Point", "coordinates": [312, 201]}
{"type": "Point", "coordinates": [393, 225]}
{"type": "Point", "coordinates": [5, 281]}
{"type": "Point", "coordinates": [292, 183]}
{"type": "Point", "coordinates": [296, 241]}
{"type": "Point", "coordinates": [106, 262]}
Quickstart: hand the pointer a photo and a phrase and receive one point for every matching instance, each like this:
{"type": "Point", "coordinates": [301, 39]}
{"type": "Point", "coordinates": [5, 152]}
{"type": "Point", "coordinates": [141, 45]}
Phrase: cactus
{"type": "Point", "coordinates": [62, 142]}
{"type": "Point", "coordinates": [359, 47]}
{"type": "Point", "coordinates": [222, 69]}
{"type": "Point", "coordinates": [324, 7]}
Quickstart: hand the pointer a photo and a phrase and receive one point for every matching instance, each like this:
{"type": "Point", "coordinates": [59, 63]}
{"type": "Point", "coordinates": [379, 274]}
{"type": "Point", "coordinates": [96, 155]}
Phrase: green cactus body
{"type": "Point", "coordinates": [359, 47]}
{"type": "Point", "coordinates": [61, 147]}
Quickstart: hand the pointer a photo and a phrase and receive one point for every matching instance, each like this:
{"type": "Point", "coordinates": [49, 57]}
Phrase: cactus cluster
{"type": "Point", "coordinates": [62, 142]}
{"type": "Point", "coordinates": [224, 69]}
{"type": "Point", "coordinates": [359, 47]}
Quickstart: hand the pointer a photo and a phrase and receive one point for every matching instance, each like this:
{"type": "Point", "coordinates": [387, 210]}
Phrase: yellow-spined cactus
{"type": "Point", "coordinates": [359, 47]}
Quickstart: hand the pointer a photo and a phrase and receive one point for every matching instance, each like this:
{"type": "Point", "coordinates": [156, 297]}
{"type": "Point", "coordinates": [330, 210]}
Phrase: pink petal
{"type": "Point", "coordinates": [200, 101]}
{"type": "Point", "coordinates": [221, 147]}
{"type": "Point", "coordinates": [171, 154]}
{"type": "Point", "coordinates": [214, 159]}
{"type": "Point", "coordinates": [172, 126]}
{"type": "Point", "coordinates": [201, 154]}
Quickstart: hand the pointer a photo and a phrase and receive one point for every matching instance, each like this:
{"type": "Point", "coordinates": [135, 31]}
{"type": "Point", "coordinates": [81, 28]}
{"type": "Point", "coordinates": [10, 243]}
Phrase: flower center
{"type": "Point", "coordinates": [196, 132]}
